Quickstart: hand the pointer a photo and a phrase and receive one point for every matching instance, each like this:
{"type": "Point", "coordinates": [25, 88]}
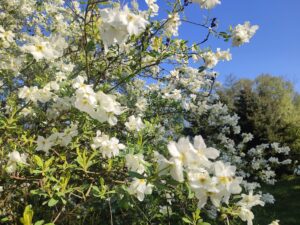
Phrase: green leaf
{"type": "Point", "coordinates": [38, 161]}
{"type": "Point", "coordinates": [5, 219]}
{"type": "Point", "coordinates": [203, 223]}
{"type": "Point", "coordinates": [186, 220]}
{"type": "Point", "coordinates": [135, 174]}
{"type": "Point", "coordinates": [49, 162]}
{"type": "Point", "coordinates": [40, 222]}
{"type": "Point", "coordinates": [27, 216]}
{"type": "Point", "coordinates": [52, 202]}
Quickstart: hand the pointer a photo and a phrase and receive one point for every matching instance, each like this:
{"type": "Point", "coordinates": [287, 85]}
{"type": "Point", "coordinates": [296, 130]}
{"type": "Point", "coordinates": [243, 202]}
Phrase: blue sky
{"type": "Point", "coordinates": [275, 48]}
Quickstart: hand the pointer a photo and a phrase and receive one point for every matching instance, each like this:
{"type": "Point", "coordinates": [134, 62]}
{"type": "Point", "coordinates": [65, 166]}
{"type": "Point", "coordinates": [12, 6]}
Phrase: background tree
{"type": "Point", "coordinates": [268, 107]}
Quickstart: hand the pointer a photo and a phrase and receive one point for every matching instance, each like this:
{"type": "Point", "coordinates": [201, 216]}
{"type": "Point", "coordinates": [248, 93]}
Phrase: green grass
{"type": "Point", "coordinates": [287, 205]}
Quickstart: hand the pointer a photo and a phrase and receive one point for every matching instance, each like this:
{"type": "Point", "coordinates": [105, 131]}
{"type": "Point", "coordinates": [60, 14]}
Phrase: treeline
{"type": "Point", "coordinates": [268, 107]}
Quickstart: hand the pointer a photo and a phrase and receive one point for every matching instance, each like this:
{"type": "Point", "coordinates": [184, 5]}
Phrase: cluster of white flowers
{"type": "Point", "coordinates": [99, 106]}
{"type": "Point", "coordinates": [14, 158]}
{"type": "Point", "coordinates": [243, 33]}
{"type": "Point", "coordinates": [118, 24]}
{"type": "Point", "coordinates": [172, 25]}
{"type": "Point", "coordinates": [6, 37]}
{"type": "Point", "coordinates": [212, 180]}
{"type": "Point", "coordinates": [138, 187]}
{"type": "Point", "coordinates": [109, 147]}
{"type": "Point", "coordinates": [246, 203]}
{"type": "Point", "coordinates": [62, 139]}
{"type": "Point", "coordinates": [35, 94]}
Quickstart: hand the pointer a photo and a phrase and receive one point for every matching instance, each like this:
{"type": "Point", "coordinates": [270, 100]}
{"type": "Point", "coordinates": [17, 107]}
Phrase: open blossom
{"type": "Point", "coordinates": [118, 24]}
{"type": "Point", "coordinates": [182, 154]}
{"type": "Point", "coordinates": [225, 174]}
{"type": "Point", "coordinates": [243, 33]}
{"type": "Point", "coordinates": [207, 4]}
{"type": "Point", "coordinates": [275, 222]}
{"type": "Point", "coordinates": [134, 123]}
{"type": "Point", "coordinates": [13, 159]}
{"type": "Point", "coordinates": [109, 147]}
{"type": "Point", "coordinates": [246, 215]}
{"type": "Point", "coordinates": [140, 188]}
{"type": "Point", "coordinates": [49, 49]}
{"type": "Point", "coordinates": [248, 201]}
{"type": "Point", "coordinates": [211, 192]}
{"type": "Point", "coordinates": [199, 179]}
{"type": "Point", "coordinates": [44, 144]}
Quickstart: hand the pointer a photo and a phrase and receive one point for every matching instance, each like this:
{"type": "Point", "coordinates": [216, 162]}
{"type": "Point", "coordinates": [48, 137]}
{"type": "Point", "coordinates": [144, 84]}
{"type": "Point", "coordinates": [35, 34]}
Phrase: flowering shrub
{"type": "Point", "coordinates": [103, 116]}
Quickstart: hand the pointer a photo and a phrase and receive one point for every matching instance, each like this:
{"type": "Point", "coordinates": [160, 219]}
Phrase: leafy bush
{"type": "Point", "coordinates": [97, 98]}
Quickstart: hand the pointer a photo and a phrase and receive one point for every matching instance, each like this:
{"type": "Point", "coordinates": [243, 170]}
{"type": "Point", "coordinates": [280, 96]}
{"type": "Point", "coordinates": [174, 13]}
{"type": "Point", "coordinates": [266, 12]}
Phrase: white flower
{"type": "Point", "coordinates": [210, 191]}
{"type": "Point", "coordinates": [134, 123]}
{"type": "Point", "coordinates": [85, 102]}
{"type": "Point", "coordinates": [275, 222]}
{"type": "Point", "coordinates": [140, 188]}
{"type": "Point", "coordinates": [13, 159]}
{"type": "Point", "coordinates": [203, 152]}
{"type": "Point", "coordinates": [136, 24]}
{"type": "Point", "coordinates": [226, 177]}
{"type": "Point", "coordinates": [207, 4]}
{"type": "Point", "coordinates": [109, 147]}
{"type": "Point", "coordinates": [109, 103]}
{"type": "Point", "coordinates": [40, 48]}
{"type": "Point", "coordinates": [246, 215]}
{"type": "Point", "coordinates": [248, 201]}
{"type": "Point", "coordinates": [135, 163]}
{"type": "Point", "coordinates": [153, 7]}
{"type": "Point", "coordinates": [44, 144]}
{"type": "Point", "coordinates": [199, 179]}
{"type": "Point", "coordinates": [243, 33]}
{"type": "Point", "coordinates": [16, 157]}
